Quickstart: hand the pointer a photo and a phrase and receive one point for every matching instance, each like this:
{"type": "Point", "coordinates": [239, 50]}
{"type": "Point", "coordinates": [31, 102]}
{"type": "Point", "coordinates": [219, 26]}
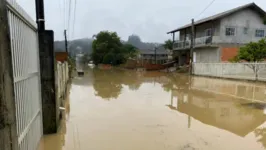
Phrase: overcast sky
{"type": "Point", "coordinates": [150, 19]}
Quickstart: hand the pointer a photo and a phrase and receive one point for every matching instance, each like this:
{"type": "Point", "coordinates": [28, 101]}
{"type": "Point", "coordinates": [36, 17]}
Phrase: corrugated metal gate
{"type": "Point", "coordinates": [26, 72]}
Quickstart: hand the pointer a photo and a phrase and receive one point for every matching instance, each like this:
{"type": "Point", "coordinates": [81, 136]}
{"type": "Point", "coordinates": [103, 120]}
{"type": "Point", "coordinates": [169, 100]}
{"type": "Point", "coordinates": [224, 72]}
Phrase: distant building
{"type": "Point", "coordinates": [218, 38]}
{"type": "Point", "coordinates": [158, 56]}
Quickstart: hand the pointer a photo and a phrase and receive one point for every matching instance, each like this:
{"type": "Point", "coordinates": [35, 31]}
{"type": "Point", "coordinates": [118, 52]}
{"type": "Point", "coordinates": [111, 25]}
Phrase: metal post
{"type": "Point", "coordinates": [8, 129]}
{"type": "Point", "coordinates": [40, 14]}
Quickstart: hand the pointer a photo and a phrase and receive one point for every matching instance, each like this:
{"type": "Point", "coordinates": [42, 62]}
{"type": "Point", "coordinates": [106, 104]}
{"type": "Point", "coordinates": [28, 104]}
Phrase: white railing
{"type": "Point", "coordinates": [26, 74]}
{"type": "Point", "coordinates": [203, 40]}
{"type": "Point", "coordinates": [248, 71]}
{"type": "Point", "coordinates": [181, 44]}
{"type": "Point", "coordinates": [62, 77]}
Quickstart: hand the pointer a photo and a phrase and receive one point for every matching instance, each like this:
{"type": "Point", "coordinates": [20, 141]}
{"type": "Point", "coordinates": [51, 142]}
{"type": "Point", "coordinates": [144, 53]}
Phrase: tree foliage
{"type": "Point", "coordinates": [168, 44]}
{"type": "Point", "coordinates": [130, 51]}
{"type": "Point", "coordinates": [108, 49]}
{"type": "Point", "coordinates": [252, 52]}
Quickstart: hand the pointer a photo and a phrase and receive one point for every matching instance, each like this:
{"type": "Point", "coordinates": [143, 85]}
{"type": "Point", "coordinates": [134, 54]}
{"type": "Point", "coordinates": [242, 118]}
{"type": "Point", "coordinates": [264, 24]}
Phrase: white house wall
{"type": "Point", "coordinates": [207, 55]}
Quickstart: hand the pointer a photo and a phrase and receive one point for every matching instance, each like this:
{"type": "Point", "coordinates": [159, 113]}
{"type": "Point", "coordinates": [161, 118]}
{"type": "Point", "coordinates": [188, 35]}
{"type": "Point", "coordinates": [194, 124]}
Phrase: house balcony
{"type": "Point", "coordinates": [199, 42]}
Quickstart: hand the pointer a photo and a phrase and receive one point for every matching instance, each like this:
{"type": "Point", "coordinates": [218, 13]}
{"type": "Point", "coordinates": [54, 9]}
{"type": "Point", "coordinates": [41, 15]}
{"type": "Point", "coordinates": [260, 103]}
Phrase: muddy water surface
{"type": "Point", "coordinates": [128, 110]}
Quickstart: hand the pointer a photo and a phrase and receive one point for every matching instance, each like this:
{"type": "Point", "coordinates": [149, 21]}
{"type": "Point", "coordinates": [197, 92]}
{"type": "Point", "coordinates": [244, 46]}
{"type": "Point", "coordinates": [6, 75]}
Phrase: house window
{"type": "Point", "coordinates": [245, 30]}
{"type": "Point", "coordinates": [259, 33]}
{"type": "Point", "coordinates": [230, 31]}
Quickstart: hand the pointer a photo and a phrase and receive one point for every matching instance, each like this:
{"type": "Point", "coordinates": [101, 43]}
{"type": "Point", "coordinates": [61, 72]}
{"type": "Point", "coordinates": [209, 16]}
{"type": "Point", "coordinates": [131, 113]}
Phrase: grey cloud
{"type": "Point", "coordinates": [150, 19]}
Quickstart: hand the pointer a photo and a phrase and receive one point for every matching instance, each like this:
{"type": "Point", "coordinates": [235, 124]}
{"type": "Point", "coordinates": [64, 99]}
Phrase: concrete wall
{"type": "Point", "coordinates": [246, 18]}
{"type": "Point", "coordinates": [207, 55]}
{"type": "Point", "coordinates": [201, 29]}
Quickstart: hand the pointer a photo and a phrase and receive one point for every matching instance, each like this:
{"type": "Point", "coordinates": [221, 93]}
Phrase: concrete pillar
{"type": "Point", "coordinates": [179, 58]}
{"type": "Point", "coordinates": [50, 105]}
{"type": "Point", "coordinates": [8, 132]}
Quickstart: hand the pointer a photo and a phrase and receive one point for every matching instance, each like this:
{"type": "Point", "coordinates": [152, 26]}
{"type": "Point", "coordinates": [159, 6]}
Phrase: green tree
{"type": "Point", "coordinates": [130, 51]}
{"type": "Point", "coordinates": [168, 44]}
{"type": "Point", "coordinates": [108, 49]}
{"type": "Point", "coordinates": [252, 52]}
{"type": "Point", "coordinates": [107, 43]}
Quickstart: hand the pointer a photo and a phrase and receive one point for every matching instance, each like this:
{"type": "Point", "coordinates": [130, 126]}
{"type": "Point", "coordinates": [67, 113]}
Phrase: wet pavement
{"type": "Point", "coordinates": [129, 110]}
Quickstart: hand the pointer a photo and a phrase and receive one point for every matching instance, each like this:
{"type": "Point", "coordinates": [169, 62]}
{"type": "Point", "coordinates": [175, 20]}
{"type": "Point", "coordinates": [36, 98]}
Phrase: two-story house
{"type": "Point", "coordinates": [160, 56]}
{"type": "Point", "coordinates": [219, 37]}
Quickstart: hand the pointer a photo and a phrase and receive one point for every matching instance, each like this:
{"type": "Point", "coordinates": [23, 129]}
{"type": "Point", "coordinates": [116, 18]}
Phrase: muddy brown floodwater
{"type": "Point", "coordinates": [129, 110]}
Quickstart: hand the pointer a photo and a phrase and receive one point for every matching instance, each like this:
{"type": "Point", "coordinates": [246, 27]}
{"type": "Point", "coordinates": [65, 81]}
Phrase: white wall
{"type": "Point", "coordinates": [207, 55]}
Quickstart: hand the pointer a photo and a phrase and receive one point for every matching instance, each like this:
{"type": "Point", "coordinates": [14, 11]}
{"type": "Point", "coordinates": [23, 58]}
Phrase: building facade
{"type": "Point", "coordinates": [160, 56]}
{"type": "Point", "coordinates": [219, 37]}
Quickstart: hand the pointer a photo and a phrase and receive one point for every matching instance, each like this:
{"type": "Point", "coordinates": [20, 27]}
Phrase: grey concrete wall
{"type": "Point", "coordinates": [207, 55]}
{"type": "Point", "coordinates": [200, 30]}
{"type": "Point", "coordinates": [245, 18]}
{"type": "Point", "coordinates": [50, 107]}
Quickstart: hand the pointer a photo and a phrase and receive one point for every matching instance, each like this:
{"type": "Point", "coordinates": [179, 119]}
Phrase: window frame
{"type": "Point", "coordinates": [230, 27]}
{"type": "Point", "coordinates": [259, 30]}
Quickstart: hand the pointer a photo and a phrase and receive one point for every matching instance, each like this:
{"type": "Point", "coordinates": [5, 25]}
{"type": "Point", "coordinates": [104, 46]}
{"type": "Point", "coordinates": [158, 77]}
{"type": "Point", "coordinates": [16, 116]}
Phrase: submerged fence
{"type": "Point", "coordinates": [247, 71]}
{"type": "Point", "coordinates": [62, 78]}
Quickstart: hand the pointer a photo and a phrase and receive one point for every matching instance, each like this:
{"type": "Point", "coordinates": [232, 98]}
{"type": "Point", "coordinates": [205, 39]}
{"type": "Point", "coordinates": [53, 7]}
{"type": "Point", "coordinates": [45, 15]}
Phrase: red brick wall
{"type": "Point", "coordinates": [61, 56]}
{"type": "Point", "coordinates": [228, 53]}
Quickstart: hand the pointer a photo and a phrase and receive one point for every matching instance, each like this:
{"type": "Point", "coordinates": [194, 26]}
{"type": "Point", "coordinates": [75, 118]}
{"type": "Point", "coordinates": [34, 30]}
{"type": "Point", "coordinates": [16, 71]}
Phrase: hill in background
{"type": "Point", "coordinates": [85, 45]}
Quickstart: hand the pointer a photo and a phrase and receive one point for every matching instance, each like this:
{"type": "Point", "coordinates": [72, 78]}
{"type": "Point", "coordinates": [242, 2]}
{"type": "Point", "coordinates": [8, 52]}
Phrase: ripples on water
{"type": "Point", "coordinates": [126, 110]}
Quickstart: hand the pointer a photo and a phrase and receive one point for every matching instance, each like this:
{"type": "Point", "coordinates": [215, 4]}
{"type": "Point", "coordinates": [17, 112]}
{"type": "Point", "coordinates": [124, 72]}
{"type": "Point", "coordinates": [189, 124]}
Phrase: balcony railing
{"type": "Point", "coordinates": [181, 44]}
{"type": "Point", "coordinates": [202, 41]}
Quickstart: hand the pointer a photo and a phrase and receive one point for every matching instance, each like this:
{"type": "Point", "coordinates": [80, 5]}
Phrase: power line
{"type": "Point", "coordinates": [61, 9]}
{"type": "Point", "coordinates": [69, 15]}
{"type": "Point", "coordinates": [64, 17]}
{"type": "Point", "coordinates": [206, 8]}
{"type": "Point", "coordinates": [74, 19]}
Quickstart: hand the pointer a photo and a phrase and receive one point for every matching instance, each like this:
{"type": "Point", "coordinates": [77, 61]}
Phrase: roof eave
{"type": "Point", "coordinates": [249, 5]}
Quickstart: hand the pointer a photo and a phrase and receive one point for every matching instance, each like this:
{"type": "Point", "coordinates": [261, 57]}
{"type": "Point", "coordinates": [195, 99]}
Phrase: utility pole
{"type": "Point", "coordinates": [65, 33]}
{"type": "Point", "coordinates": [50, 109]}
{"type": "Point", "coordinates": [191, 47]}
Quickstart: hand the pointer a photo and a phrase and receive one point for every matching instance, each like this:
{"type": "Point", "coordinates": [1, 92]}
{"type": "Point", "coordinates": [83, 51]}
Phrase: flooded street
{"type": "Point", "coordinates": [129, 110]}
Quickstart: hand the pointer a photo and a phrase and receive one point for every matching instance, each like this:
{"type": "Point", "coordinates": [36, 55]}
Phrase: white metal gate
{"type": "Point", "coordinates": [26, 72]}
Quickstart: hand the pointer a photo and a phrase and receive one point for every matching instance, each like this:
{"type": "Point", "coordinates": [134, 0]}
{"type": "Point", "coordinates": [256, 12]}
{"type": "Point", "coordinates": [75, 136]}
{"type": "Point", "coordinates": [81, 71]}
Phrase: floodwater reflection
{"type": "Point", "coordinates": [129, 110]}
